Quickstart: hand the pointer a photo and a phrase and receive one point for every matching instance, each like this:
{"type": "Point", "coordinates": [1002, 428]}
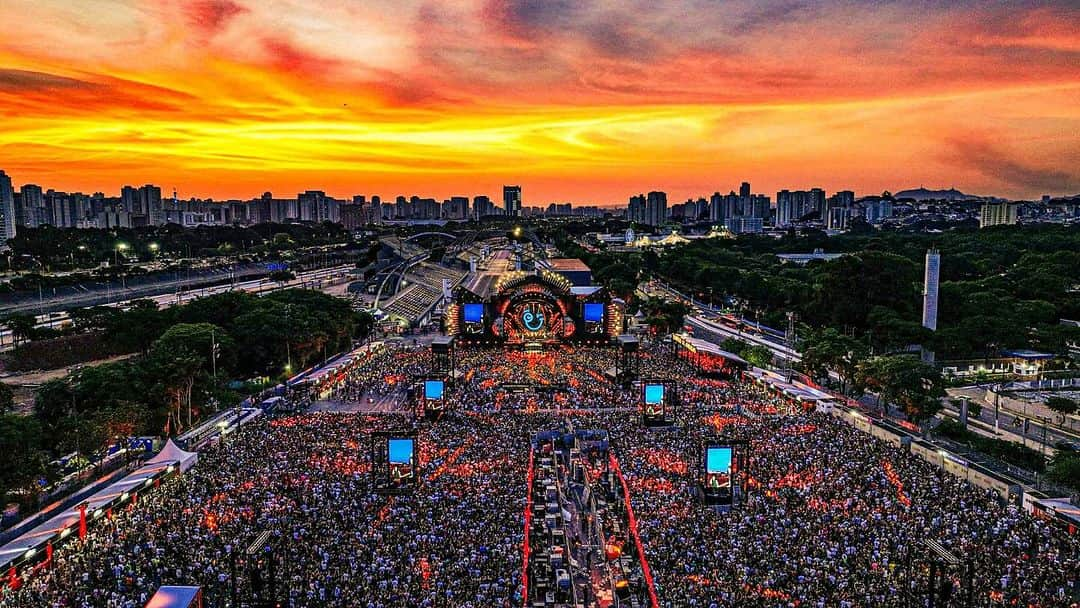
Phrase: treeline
{"type": "Point", "coordinates": [50, 249]}
{"type": "Point", "coordinates": [1001, 288]}
{"type": "Point", "coordinates": [191, 360]}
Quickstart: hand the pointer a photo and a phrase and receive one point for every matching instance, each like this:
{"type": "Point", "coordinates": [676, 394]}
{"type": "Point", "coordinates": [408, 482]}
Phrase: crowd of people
{"type": "Point", "coordinates": [831, 518]}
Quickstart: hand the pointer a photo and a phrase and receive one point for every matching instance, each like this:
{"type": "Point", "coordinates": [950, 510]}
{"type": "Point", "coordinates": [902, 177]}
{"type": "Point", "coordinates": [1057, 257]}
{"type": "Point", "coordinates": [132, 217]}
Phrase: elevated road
{"type": "Point", "coordinates": [311, 278]}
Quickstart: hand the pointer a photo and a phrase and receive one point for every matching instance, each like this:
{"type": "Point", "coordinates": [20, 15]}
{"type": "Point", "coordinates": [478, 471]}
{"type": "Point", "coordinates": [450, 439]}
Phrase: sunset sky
{"type": "Point", "coordinates": [587, 102]}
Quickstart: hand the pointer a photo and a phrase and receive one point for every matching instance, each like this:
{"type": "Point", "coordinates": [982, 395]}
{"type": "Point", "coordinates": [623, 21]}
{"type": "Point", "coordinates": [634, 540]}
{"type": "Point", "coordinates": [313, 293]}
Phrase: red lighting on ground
{"type": "Point", "coordinates": [634, 532]}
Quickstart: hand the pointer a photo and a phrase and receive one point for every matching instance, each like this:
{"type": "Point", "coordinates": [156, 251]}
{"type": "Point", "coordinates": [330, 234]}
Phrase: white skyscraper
{"type": "Point", "coordinates": [930, 289]}
{"type": "Point", "coordinates": [7, 209]}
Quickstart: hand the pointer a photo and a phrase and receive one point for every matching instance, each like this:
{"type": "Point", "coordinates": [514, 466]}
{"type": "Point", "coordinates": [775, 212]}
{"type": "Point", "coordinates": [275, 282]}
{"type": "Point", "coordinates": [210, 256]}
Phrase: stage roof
{"type": "Point", "coordinates": [174, 597]}
{"type": "Point", "coordinates": [568, 264]}
{"type": "Point", "coordinates": [704, 346]}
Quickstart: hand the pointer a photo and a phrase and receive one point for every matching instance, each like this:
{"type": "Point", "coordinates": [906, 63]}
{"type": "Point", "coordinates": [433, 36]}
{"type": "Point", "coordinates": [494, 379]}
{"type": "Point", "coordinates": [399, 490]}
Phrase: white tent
{"type": "Point", "coordinates": [171, 453]}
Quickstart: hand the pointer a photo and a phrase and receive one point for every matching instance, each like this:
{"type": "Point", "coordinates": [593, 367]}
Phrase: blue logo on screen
{"type": "Point", "coordinates": [433, 389]}
{"type": "Point", "coordinates": [718, 460]}
{"type": "Point", "coordinates": [654, 394]}
{"type": "Point", "coordinates": [400, 451]}
{"type": "Point", "coordinates": [533, 319]}
{"type": "Point", "coordinates": [474, 313]}
{"type": "Point", "coordinates": [594, 313]}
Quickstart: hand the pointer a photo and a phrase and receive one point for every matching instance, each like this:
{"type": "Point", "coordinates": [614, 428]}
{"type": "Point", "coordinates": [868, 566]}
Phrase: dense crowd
{"type": "Point", "coordinates": [831, 518]}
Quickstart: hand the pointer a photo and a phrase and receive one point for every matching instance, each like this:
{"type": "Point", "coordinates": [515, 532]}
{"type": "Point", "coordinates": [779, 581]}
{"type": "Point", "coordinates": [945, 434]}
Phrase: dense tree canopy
{"type": "Point", "coordinates": [186, 356]}
{"type": "Point", "coordinates": [1004, 287]}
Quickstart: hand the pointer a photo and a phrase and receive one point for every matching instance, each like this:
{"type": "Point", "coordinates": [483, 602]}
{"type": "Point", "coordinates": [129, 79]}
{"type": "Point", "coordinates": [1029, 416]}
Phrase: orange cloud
{"type": "Point", "coordinates": [589, 102]}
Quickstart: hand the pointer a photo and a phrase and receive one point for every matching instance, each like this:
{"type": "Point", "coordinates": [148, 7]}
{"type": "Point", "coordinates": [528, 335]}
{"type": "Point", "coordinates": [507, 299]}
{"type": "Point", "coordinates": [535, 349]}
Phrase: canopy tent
{"type": "Point", "coordinates": [176, 597]}
{"type": "Point", "coordinates": [171, 453]}
{"type": "Point", "coordinates": [707, 353]}
{"type": "Point", "coordinates": [793, 390]}
{"type": "Point", "coordinates": [24, 550]}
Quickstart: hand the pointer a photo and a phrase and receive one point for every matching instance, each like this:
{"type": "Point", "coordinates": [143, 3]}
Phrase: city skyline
{"type": "Point", "coordinates": [586, 103]}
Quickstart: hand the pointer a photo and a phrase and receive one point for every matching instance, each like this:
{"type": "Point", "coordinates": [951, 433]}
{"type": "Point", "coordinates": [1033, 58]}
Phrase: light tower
{"type": "Point", "coordinates": [930, 289]}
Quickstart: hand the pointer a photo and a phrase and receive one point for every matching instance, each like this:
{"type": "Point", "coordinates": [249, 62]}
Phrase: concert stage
{"type": "Point", "coordinates": [534, 311]}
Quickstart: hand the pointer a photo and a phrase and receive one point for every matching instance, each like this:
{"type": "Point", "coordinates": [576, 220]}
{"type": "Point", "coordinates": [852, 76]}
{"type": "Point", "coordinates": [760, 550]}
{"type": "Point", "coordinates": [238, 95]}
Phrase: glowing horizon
{"type": "Point", "coordinates": [589, 103]}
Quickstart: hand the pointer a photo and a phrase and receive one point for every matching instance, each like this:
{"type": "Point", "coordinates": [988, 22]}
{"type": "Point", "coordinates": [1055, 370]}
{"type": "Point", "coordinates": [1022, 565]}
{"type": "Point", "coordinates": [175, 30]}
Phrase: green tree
{"type": "Point", "coordinates": [135, 329]}
{"type": "Point", "coordinates": [758, 356]}
{"type": "Point", "coordinates": [54, 401]}
{"type": "Point", "coordinates": [23, 462]}
{"type": "Point", "coordinates": [1065, 469]}
{"type": "Point", "coordinates": [183, 361]}
{"type": "Point", "coordinates": [1062, 405]}
{"type": "Point", "coordinates": [365, 324]}
{"type": "Point", "coordinates": [829, 349]}
{"type": "Point", "coordinates": [908, 382]}
{"type": "Point", "coordinates": [7, 399]}
{"type": "Point", "coordinates": [281, 276]}
{"type": "Point", "coordinates": [22, 327]}
{"type": "Point", "coordinates": [665, 317]}
{"type": "Point", "coordinates": [733, 345]}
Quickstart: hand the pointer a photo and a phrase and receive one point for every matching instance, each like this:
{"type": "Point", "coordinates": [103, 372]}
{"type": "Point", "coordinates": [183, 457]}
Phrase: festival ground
{"type": "Point", "coordinates": [831, 517]}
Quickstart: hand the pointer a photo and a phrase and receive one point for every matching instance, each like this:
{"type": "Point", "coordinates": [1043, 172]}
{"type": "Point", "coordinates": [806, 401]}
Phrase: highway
{"type": "Point", "coordinates": [706, 319]}
{"type": "Point", "coordinates": [256, 286]}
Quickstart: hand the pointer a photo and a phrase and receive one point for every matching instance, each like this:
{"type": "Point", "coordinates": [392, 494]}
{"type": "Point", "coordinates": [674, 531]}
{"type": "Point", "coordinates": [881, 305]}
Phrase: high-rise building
{"type": "Point", "coordinates": [512, 200]}
{"type": "Point", "coordinates": [815, 202]}
{"type": "Point", "coordinates": [930, 289]}
{"type": "Point", "coordinates": [129, 199]}
{"type": "Point", "coordinates": [150, 205]}
{"type": "Point", "coordinates": [716, 207]}
{"type": "Point", "coordinates": [744, 224]}
{"type": "Point", "coordinates": [997, 214]}
{"type": "Point", "coordinates": [787, 209]}
{"type": "Point", "coordinates": [843, 198]}
{"type": "Point", "coordinates": [656, 208]}
{"type": "Point", "coordinates": [60, 210]}
{"type": "Point", "coordinates": [33, 205]}
{"type": "Point", "coordinates": [7, 209]}
{"type": "Point", "coordinates": [352, 215]}
{"type": "Point", "coordinates": [482, 206]}
{"type": "Point", "coordinates": [456, 208]}
{"type": "Point", "coordinates": [877, 210]}
{"type": "Point", "coordinates": [635, 211]}
{"type": "Point", "coordinates": [744, 190]}
{"type": "Point", "coordinates": [760, 206]}
{"type": "Point", "coordinates": [315, 206]}
{"type": "Point", "coordinates": [838, 218]}
{"type": "Point", "coordinates": [307, 203]}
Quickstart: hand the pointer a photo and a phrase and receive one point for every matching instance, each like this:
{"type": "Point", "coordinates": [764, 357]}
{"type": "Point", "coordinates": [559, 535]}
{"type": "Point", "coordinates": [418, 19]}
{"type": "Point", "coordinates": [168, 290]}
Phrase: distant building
{"type": "Point", "coordinates": [760, 206]}
{"type": "Point", "coordinates": [802, 259]}
{"type": "Point", "coordinates": [352, 216]}
{"type": "Point", "coordinates": [656, 208]}
{"type": "Point", "coordinates": [573, 269]}
{"type": "Point", "coordinates": [315, 206]}
{"type": "Point", "coordinates": [482, 206]}
{"type": "Point", "coordinates": [7, 209]}
{"type": "Point", "coordinates": [114, 219]}
{"type": "Point", "coordinates": [838, 218]}
{"type": "Point", "coordinates": [635, 211]}
{"type": "Point", "coordinates": [930, 289]}
{"type": "Point", "coordinates": [877, 210]}
{"type": "Point", "coordinates": [792, 205]}
{"type": "Point", "coordinates": [33, 206]}
{"type": "Point", "coordinates": [997, 214]}
{"type": "Point", "coordinates": [150, 205]}
{"type": "Point", "coordinates": [512, 201]}
{"type": "Point", "coordinates": [744, 225]}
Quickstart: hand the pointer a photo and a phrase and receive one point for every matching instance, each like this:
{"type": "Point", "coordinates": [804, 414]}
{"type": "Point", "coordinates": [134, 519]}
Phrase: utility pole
{"type": "Point", "coordinates": [213, 354]}
{"type": "Point", "coordinates": [789, 341]}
